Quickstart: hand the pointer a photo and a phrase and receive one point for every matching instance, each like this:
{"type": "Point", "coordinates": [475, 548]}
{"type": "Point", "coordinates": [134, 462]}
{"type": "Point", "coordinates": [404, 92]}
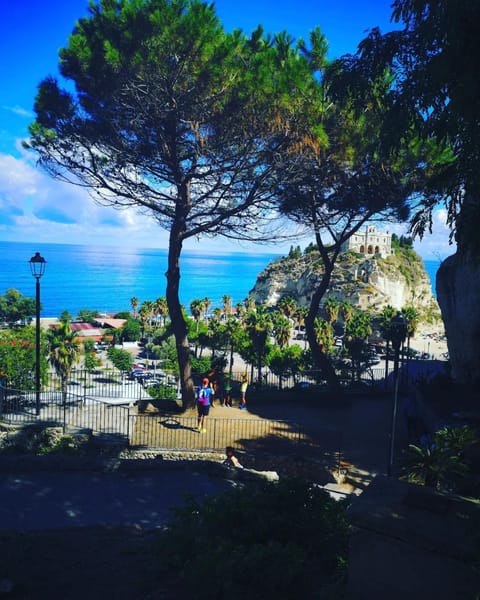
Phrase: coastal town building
{"type": "Point", "coordinates": [370, 242]}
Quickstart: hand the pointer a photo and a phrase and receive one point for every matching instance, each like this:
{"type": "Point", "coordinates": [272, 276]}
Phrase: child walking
{"type": "Point", "coordinates": [204, 394]}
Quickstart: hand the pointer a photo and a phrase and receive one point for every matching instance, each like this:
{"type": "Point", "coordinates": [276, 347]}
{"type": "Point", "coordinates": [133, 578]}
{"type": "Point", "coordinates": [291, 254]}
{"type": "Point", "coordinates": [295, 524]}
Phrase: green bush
{"type": "Point", "coordinates": [439, 460]}
{"type": "Point", "coordinates": [162, 392]}
{"type": "Point", "coordinates": [40, 440]}
{"type": "Point", "coordinates": [274, 540]}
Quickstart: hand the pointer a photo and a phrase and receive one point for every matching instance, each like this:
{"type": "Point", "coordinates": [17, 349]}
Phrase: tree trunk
{"type": "Point", "coordinates": [386, 364]}
{"type": "Point", "coordinates": [320, 359]}
{"type": "Point", "coordinates": [179, 326]}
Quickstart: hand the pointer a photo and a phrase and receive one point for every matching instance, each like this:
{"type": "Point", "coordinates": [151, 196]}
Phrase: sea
{"type": "Point", "coordinates": [105, 278]}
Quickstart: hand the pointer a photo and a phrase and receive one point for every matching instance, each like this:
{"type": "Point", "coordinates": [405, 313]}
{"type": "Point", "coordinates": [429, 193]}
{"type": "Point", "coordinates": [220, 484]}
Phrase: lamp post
{"type": "Point", "coordinates": [398, 333]}
{"type": "Point", "coordinates": [37, 267]}
{"type": "Point", "coordinates": [147, 347]}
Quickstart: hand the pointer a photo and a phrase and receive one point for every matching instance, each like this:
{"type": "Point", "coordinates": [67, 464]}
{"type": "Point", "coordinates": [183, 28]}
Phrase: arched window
{"type": "Point", "coordinates": [370, 250]}
{"type": "Point", "coordinates": [377, 250]}
{"type": "Point", "coordinates": [362, 249]}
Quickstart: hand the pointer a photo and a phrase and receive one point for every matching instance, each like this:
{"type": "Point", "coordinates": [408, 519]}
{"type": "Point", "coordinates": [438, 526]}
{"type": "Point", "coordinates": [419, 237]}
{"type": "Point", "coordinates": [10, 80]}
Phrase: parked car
{"type": "Point", "coordinates": [153, 382]}
{"type": "Point", "coordinates": [143, 375]}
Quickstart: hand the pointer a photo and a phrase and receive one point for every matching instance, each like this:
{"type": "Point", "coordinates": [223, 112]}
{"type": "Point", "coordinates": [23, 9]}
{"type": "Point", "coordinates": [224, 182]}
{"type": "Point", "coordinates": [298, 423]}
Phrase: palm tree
{"type": "Point", "coordinates": [287, 306]}
{"type": "Point", "coordinates": [227, 304]}
{"type": "Point", "coordinates": [241, 310]}
{"type": "Point", "coordinates": [258, 325]}
{"type": "Point", "coordinates": [196, 307]}
{"type": "Point", "coordinates": [412, 318]}
{"type": "Point", "coordinates": [232, 329]}
{"type": "Point", "coordinates": [356, 333]}
{"type": "Point", "coordinates": [161, 308]}
{"type": "Point", "coordinates": [332, 309]}
{"type": "Point", "coordinates": [63, 353]}
{"type": "Point", "coordinates": [134, 305]}
{"type": "Point", "coordinates": [299, 319]}
{"type": "Point", "coordinates": [282, 329]}
{"type": "Point", "coordinates": [145, 314]}
{"type": "Point", "coordinates": [347, 310]}
{"type": "Point", "coordinates": [324, 334]}
{"type": "Point", "coordinates": [206, 303]}
{"type": "Point", "coordinates": [385, 324]}
{"type": "Point", "coordinates": [249, 303]}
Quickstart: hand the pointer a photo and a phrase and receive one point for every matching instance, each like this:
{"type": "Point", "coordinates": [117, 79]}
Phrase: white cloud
{"type": "Point", "coordinates": [33, 206]}
{"type": "Point", "coordinates": [18, 110]}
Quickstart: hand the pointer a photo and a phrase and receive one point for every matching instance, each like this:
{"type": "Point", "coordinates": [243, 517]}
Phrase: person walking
{"type": "Point", "coordinates": [243, 392]}
{"type": "Point", "coordinates": [204, 394]}
{"type": "Point", "coordinates": [227, 391]}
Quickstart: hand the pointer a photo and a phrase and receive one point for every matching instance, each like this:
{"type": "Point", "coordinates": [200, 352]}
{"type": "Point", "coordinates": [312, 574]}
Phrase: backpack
{"type": "Point", "coordinates": [202, 395]}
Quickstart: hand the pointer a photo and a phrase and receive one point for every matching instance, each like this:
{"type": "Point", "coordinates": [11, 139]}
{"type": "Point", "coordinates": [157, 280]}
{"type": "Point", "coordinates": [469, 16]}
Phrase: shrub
{"type": "Point", "coordinates": [439, 461]}
{"type": "Point", "coordinates": [276, 540]}
{"type": "Point", "coordinates": [39, 440]}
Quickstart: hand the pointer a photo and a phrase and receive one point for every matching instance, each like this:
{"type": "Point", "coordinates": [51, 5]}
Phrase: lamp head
{"type": "Point", "coordinates": [37, 265]}
{"type": "Point", "coordinates": [398, 330]}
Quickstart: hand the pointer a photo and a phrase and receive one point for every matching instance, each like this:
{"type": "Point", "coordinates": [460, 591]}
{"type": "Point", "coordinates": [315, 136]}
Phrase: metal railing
{"type": "Point", "coordinates": [124, 423]}
{"type": "Point", "coordinates": [111, 384]}
{"type": "Point", "coordinates": [67, 411]}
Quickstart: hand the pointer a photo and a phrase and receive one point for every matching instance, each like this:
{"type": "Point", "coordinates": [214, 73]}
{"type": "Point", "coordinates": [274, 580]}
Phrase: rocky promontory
{"type": "Point", "coordinates": [398, 280]}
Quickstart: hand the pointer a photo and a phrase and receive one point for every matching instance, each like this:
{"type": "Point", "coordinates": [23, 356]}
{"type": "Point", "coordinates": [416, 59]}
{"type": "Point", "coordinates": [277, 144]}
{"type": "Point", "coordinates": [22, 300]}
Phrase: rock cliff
{"type": "Point", "coordinates": [458, 289]}
{"type": "Point", "coordinates": [398, 280]}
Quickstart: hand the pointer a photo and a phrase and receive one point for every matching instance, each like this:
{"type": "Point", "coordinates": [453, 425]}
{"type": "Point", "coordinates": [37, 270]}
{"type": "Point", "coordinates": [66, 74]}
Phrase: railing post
{"type": "Point", "coordinates": [128, 425]}
{"type": "Point", "coordinates": [2, 397]}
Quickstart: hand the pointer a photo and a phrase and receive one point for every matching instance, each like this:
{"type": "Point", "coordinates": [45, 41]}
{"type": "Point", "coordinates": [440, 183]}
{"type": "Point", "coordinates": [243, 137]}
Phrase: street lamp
{"type": "Point", "coordinates": [37, 267]}
{"type": "Point", "coordinates": [147, 347]}
{"type": "Point", "coordinates": [398, 333]}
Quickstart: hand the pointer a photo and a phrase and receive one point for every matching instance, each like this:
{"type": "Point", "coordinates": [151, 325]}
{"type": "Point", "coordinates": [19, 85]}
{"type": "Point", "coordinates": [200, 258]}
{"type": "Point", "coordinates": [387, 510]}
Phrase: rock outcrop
{"type": "Point", "coordinates": [398, 280]}
{"type": "Point", "coordinates": [458, 291]}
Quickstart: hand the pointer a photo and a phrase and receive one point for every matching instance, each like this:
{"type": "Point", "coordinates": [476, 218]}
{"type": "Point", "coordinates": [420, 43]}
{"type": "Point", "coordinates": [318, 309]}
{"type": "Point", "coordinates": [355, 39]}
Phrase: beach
{"type": "Point", "coordinates": [431, 340]}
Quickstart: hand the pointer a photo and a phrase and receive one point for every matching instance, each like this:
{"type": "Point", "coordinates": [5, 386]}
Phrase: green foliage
{"type": "Point", "coordinates": [202, 364]}
{"type": "Point", "coordinates": [166, 351]}
{"type": "Point", "coordinates": [125, 314]}
{"type": "Point", "coordinates": [87, 315]}
{"type": "Point", "coordinates": [401, 242]}
{"type": "Point", "coordinates": [162, 392]}
{"type": "Point", "coordinates": [439, 460]}
{"type": "Point", "coordinates": [286, 361]}
{"type": "Point", "coordinates": [64, 351]}
{"type": "Point", "coordinates": [294, 252]}
{"type": "Point", "coordinates": [40, 440]}
{"type": "Point", "coordinates": [131, 330]}
{"type": "Point", "coordinates": [203, 168]}
{"type": "Point", "coordinates": [15, 307]}
{"type": "Point", "coordinates": [18, 355]}
{"type": "Point", "coordinates": [65, 316]}
{"type": "Point", "coordinates": [121, 359]}
{"type": "Point", "coordinates": [272, 541]}
{"type": "Point", "coordinates": [91, 361]}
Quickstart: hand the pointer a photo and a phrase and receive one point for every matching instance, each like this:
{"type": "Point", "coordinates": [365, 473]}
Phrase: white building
{"type": "Point", "coordinates": [370, 242]}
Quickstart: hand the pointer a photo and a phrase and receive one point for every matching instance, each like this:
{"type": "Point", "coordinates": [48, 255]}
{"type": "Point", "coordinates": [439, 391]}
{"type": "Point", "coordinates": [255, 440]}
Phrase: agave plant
{"type": "Point", "coordinates": [439, 460]}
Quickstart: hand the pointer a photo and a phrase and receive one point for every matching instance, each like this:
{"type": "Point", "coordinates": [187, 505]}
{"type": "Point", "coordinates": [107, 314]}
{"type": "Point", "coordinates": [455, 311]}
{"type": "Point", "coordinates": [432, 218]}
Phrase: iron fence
{"type": "Point", "coordinates": [68, 410]}
{"type": "Point", "coordinates": [112, 384]}
{"type": "Point", "coordinates": [157, 431]}
{"type": "Point", "coordinates": [153, 429]}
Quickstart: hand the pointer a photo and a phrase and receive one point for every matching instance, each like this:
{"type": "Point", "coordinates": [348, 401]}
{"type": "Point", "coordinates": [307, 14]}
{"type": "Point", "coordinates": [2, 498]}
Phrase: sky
{"type": "Point", "coordinates": [36, 208]}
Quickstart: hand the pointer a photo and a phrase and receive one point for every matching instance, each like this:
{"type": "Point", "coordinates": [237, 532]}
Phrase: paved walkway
{"type": "Point", "coordinates": [40, 500]}
{"type": "Point", "coordinates": [52, 500]}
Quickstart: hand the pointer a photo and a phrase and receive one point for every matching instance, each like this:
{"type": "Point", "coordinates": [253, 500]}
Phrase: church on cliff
{"type": "Point", "coordinates": [370, 242]}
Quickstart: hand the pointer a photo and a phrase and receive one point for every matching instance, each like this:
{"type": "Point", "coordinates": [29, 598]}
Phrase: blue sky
{"type": "Point", "coordinates": [33, 207]}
